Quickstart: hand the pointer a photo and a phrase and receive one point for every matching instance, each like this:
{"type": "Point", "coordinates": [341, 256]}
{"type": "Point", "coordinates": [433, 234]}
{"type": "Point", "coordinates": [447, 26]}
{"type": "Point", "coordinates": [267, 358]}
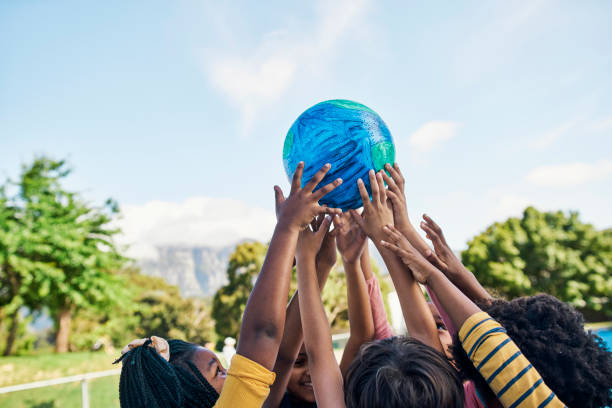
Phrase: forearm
{"type": "Point", "coordinates": [264, 316]}
{"type": "Point", "coordinates": [457, 305]}
{"type": "Point", "coordinates": [469, 285]}
{"type": "Point", "coordinates": [412, 235]}
{"type": "Point", "coordinates": [419, 320]}
{"type": "Point", "coordinates": [317, 333]}
{"type": "Point", "coordinates": [360, 313]}
{"type": "Point", "coordinates": [366, 265]}
{"type": "Point", "coordinates": [324, 371]}
{"type": "Point", "coordinates": [290, 344]}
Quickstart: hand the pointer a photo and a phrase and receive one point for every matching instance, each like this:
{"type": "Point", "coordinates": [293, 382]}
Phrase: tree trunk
{"type": "Point", "coordinates": [63, 331]}
{"type": "Point", "coordinates": [12, 335]}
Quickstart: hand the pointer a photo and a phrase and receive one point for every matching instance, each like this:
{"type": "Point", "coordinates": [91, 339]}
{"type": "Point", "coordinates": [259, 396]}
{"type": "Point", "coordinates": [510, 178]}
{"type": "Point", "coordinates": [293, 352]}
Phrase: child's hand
{"type": "Point", "coordinates": [310, 240]}
{"type": "Point", "coordinates": [302, 205]}
{"type": "Point", "coordinates": [420, 267]}
{"type": "Point", "coordinates": [376, 213]}
{"type": "Point", "coordinates": [327, 255]}
{"type": "Point", "coordinates": [444, 258]}
{"type": "Point", "coordinates": [350, 239]}
{"type": "Point", "coordinates": [395, 193]}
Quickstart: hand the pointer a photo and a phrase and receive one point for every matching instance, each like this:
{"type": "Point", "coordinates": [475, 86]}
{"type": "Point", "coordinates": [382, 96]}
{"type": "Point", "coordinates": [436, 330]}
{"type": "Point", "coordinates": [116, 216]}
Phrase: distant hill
{"type": "Point", "coordinates": [197, 270]}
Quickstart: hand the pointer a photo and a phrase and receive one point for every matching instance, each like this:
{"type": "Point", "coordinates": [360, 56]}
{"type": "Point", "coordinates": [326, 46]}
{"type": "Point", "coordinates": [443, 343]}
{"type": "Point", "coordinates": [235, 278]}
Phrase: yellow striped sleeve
{"type": "Point", "coordinates": [516, 383]}
{"type": "Point", "coordinates": [247, 384]}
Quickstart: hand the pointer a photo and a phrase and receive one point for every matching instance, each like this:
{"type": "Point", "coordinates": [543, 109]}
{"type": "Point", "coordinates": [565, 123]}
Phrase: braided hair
{"type": "Point", "coordinates": [148, 380]}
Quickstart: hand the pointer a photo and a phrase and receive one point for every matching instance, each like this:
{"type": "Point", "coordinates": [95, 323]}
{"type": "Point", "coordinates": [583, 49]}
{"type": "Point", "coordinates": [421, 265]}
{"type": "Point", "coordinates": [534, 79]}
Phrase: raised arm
{"type": "Point", "coordinates": [293, 335]}
{"type": "Point", "coordinates": [443, 258]}
{"type": "Point", "coordinates": [376, 214]}
{"type": "Point", "coordinates": [484, 340]}
{"type": "Point", "coordinates": [324, 371]}
{"type": "Point", "coordinates": [351, 242]}
{"type": "Point", "coordinates": [448, 263]}
{"type": "Point", "coordinates": [264, 316]}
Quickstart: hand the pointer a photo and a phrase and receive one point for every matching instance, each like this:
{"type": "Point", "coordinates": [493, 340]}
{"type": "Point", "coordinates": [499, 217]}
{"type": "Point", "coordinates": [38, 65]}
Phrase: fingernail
{"type": "Point", "coordinates": [339, 181]}
{"type": "Point", "coordinates": [387, 166]}
{"type": "Point", "coordinates": [360, 181]}
{"type": "Point", "coordinates": [301, 163]}
{"type": "Point", "coordinates": [371, 172]}
{"type": "Point", "coordinates": [327, 165]}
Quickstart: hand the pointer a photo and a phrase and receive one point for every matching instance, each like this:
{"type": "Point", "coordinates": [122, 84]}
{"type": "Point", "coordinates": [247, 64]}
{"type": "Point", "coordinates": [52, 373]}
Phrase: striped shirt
{"type": "Point", "coordinates": [515, 382]}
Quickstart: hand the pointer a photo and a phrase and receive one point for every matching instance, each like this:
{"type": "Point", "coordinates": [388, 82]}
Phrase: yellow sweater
{"type": "Point", "coordinates": [515, 382]}
{"type": "Point", "coordinates": [247, 384]}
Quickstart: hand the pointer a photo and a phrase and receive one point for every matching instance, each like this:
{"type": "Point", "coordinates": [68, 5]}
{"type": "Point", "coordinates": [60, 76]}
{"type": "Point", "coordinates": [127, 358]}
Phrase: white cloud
{"type": "Point", "coordinates": [432, 134]}
{"type": "Point", "coordinates": [206, 221]}
{"type": "Point", "coordinates": [261, 77]}
{"type": "Point", "coordinates": [571, 174]}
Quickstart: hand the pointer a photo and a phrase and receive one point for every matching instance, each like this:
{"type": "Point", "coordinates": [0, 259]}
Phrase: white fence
{"type": "Point", "coordinates": [83, 378]}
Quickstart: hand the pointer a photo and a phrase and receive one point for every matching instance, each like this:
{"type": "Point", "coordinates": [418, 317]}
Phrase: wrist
{"type": "Point", "coordinates": [350, 262]}
{"type": "Point", "coordinates": [284, 225]}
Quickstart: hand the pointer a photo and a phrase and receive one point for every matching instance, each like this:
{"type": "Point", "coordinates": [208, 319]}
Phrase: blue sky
{"type": "Point", "coordinates": [179, 109]}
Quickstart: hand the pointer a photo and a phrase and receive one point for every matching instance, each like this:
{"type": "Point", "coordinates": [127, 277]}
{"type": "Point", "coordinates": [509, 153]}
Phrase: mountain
{"type": "Point", "coordinates": [196, 270]}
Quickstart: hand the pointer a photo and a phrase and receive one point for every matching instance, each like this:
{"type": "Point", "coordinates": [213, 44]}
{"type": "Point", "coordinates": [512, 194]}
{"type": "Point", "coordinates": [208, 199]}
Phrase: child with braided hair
{"type": "Point", "coordinates": [150, 380]}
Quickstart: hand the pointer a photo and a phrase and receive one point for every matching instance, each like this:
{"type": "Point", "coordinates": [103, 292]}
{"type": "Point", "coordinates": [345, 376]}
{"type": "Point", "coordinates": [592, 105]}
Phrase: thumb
{"type": "Point", "coordinates": [278, 195]}
{"type": "Point", "coordinates": [324, 227]}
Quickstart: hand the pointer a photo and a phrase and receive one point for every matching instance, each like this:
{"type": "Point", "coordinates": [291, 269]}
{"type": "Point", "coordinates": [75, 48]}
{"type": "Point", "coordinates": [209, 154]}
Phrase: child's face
{"type": "Point", "coordinates": [210, 367]}
{"type": "Point", "coordinates": [445, 337]}
{"type": "Point", "coordinates": [300, 385]}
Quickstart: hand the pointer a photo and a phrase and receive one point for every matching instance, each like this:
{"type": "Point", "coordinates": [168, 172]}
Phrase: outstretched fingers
{"type": "Point", "coordinates": [392, 186]}
{"type": "Point", "coordinates": [433, 225]}
{"type": "Point", "coordinates": [382, 191]}
{"type": "Point", "coordinates": [358, 218]}
{"type": "Point", "coordinates": [402, 253]}
{"type": "Point", "coordinates": [320, 193]}
{"type": "Point", "coordinates": [393, 233]}
{"type": "Point", "coordinates": [296, 181]}
{"type": "Point", "coordinates": [316, 179]}
{"type": "Point", "coordinates": [363, 193]}
{"type": "Point", "coordinates": [374, 186]}
{"type": "Point", "coordinates": [324, 227]}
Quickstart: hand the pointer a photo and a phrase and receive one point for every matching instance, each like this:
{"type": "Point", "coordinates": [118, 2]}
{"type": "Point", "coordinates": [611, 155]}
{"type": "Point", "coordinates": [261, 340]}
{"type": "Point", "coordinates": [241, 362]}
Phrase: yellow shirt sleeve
{"type": "Point", "coordinates": [247, 384]}
{"type": "Point", "coordinates": [515, 382]}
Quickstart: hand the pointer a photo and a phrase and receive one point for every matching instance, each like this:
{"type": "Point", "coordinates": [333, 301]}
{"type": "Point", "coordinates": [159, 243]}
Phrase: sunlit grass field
{"type": "Point", "coordinates": [103, 392]}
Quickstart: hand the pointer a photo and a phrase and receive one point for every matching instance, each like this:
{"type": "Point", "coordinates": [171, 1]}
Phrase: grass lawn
{"type": "Point", "coordinates": [103, 392]}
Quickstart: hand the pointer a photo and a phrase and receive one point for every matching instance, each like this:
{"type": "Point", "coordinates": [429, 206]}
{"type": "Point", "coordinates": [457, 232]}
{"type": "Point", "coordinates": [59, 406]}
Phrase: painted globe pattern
{"type": "Point", "coordinates": [348, 135]}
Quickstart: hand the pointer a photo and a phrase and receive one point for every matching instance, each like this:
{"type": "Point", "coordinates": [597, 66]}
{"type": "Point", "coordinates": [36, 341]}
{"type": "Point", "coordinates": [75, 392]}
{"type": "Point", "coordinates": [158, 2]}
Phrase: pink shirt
{"type": "Point", "coordinates": [469, 389]}
{"type": "Point", "coordinates": [382, 328]}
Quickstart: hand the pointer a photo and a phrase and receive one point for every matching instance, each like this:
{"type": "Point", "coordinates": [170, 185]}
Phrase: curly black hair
{"type": "Point", "coordinates": [575, 364]}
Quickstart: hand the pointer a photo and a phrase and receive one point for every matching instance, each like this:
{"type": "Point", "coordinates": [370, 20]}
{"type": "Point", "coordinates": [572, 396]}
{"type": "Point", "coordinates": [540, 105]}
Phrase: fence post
{"type": "Point", "coordinates": [84, 394]}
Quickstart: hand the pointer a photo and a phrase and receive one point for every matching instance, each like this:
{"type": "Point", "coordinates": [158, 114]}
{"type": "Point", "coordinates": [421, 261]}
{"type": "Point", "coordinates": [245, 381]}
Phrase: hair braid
{"type": "Point", "coordinates": [148, 380]}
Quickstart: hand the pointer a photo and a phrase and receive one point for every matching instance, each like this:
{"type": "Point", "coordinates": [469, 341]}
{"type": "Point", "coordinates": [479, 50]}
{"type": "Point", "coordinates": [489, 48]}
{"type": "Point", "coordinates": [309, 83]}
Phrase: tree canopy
{"type": "Point", "coordinates": [56, 249]}
{"type": "Point", "coordinates": [549, 252]}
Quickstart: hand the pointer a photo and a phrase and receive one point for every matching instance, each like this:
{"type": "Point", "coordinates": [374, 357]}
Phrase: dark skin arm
{"type": "Point", "coordinates": [264, 316]}
{"type": "Point", "coordinates": [458, 306]}
{"type": "Point", "coordinates": [351, 243]}
{"type": "Point", "coordinates": [376, 214]}
{"type": "Point", "coordinates": [293, 335]}
{"type": "Point", "coordinates": [324, 370]}
{"type": "Point", "coordinates": [443, 257]}
{"type": "Point", "coordinates": [448, 263]}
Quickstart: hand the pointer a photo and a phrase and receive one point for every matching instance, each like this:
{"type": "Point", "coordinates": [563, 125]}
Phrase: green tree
{"type": "Point", "coordinates": [19, 263]}
{"type": "Point", "coordinates": [74, 240]}
{"type": "Point", "coordinates": [157, 308]}
{"type": "Point", "coordinates": [548, 252]}
{"type": "Point", "coordinates": [230, 300]}
{"type": "Point", "coordinates": [244, 265]}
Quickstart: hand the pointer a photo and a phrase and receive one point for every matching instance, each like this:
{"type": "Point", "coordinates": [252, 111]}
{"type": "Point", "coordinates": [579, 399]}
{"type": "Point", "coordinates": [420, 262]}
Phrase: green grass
{"type": "Point", "coordinates": [103, 392]}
